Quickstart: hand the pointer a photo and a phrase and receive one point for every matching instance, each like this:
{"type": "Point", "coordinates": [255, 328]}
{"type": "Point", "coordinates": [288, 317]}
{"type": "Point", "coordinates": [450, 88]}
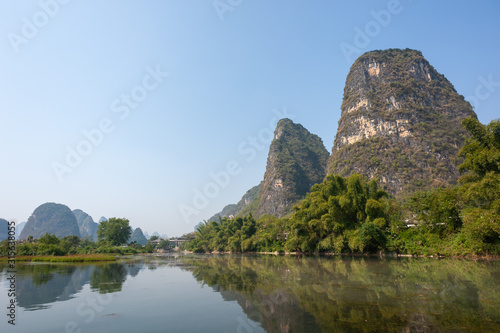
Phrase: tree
{"type": "Point", "coordinates": [482, 152]}
{"type": "Point", "coordinates": [49, 239]}
{"type": "Point", "coordinates": [115, 231]}
{"type": "Point", "coordinates": [164, 244]}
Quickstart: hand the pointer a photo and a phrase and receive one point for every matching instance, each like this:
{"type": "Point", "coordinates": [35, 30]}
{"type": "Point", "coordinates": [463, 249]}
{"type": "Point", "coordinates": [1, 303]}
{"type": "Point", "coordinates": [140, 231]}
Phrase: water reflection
{"type": "Point", "coordinates": [288, 294]}
{"type": "Point", "coordinates": [39, 284]}
{"type": "Point", "coordinates": [108, 278]}
{"type": "Point", "coordinates": [298, 294]}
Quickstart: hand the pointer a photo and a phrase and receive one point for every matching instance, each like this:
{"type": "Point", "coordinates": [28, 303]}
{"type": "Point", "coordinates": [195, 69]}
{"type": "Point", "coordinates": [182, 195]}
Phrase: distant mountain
{"type": "Point", "coordinates": [102, 219]}
{"type": "Point", "coordinates": [400, 122]}
{"type": "Point", "coordinates": [51, 218]}
{"type": "Point", "coordinates": [138, 237]}
{"type": "Point", "coordinates": [86, 225]}
{"type": "Point", "coordinates": [244, 206]}
{"type": "Point", "coordinates": [4, 229]}
{"type": "Point", "coordinates": [297, 160]}
{"type": "Point", "coordinates": [19, 228]}
{"type": "Point", "coordinates": [145, 233]}
{"type": "Point", "coordinates": [156, 234]}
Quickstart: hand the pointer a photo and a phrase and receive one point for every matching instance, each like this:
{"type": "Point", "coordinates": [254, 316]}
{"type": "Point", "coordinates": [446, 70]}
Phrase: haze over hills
{"type": "Point", "coordinates": [400, 122]}
{"type": "Point", "coordinates": [19, 229]}
{"type": "Point", "coordinates": [138, 236]}
{"type": "Point", "coordinates": [4, 229]}
{"type": "Point", "coordinates": [86, 225]}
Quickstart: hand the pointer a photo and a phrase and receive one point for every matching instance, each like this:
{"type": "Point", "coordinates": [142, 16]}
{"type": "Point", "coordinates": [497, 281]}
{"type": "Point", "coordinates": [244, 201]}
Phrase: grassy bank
{"type": "Point", "coordinates": [68, 258]}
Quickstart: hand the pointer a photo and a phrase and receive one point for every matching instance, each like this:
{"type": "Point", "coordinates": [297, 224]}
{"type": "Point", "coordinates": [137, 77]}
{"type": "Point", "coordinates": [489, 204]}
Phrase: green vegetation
{"type": "Point", "coordinates": [70, 258]}
{"type": "Point", "coordinates": [114, 231]}
{"type": "Point", "coordinates": [351, 215]}
{"type": "Point", "coordinates": [337, 215]}
{"type": "Point", "coordinates": [464, 219]}
{"type": "Point", "coordinates": [113, 236]}
{"type": "Point", "coordinates": [71, 248]}
{"type": "Point", "coordinates": [226, 235]}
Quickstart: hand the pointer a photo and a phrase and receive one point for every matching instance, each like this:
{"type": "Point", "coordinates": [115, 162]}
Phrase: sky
{"type": "Point", "coordinates": [161, 111]}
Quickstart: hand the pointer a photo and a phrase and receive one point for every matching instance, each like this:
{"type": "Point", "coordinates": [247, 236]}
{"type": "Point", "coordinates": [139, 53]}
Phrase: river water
{"type": "Point", "coordinates": [255, 293]}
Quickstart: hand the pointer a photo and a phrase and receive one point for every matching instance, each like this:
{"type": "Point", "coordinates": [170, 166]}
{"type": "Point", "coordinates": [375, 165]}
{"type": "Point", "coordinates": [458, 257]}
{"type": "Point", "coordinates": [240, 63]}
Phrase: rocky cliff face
{"type": "Point", "coordinates": [297, 160]}
{"type": "Point", "coordinates": [400, 122]}
{"type": "Point", "coordinates": [86, 225]}
{"type": "Point", "coordinates": [51, 218]}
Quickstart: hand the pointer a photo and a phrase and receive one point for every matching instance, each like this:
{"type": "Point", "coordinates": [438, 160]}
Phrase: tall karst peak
{"type": "Point", "coordinates": [400, 121]}
{"type": "Point", "coordinates": [297, 160]}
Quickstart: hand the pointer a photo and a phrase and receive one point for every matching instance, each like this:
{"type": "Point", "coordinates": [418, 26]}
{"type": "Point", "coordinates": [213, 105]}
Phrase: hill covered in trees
{"type": "Point", "coordinates": [51, 218]}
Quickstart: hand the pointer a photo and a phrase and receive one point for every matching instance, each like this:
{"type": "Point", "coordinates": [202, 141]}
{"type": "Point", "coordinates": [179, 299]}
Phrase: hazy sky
{"type": "Point", "coordinates": [131, 108]}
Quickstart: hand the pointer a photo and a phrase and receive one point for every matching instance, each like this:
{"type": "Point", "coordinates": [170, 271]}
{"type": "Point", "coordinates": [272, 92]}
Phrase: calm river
{"type": "Point", "coordinates": [255, 293]}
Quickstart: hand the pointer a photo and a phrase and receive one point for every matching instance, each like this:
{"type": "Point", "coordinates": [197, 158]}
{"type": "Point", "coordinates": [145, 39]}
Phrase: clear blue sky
{"type": "Point", "coordinates": [68, 68]}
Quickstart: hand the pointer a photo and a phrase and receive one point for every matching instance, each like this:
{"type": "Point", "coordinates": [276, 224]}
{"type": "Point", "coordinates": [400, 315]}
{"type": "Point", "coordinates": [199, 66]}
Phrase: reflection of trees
{"type": "Point", "coordinates": [356, 294]}
{"type": "Point", "coordinates": [108, 278]}
{"type": "Point", "coordinates": [40, 284]}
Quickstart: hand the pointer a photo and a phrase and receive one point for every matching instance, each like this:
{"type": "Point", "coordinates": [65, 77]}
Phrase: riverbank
{"type": "Point", "coordinates": [67, 258]}
{"type": "Point", "coordinates": [378, 254]}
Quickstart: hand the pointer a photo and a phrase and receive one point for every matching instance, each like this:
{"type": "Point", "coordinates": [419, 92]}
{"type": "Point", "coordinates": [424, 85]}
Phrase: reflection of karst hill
{"type": "Point", "coordinates": [278, 312]}
{"type": "Point", "coordinates": [289, 294]}
{"type": "Point", "coordinates": [59, 283]}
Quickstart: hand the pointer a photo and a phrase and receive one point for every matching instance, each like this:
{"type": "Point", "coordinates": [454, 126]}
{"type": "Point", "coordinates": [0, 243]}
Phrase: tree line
{"type": "Point", "coordinates": [352, 215]}
{"type": "Point", "coordinates": [113, 236]}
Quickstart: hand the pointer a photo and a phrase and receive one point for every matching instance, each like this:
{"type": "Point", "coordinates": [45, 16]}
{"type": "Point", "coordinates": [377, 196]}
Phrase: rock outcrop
{"type": "Point", "coordinates": [400, 122]}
